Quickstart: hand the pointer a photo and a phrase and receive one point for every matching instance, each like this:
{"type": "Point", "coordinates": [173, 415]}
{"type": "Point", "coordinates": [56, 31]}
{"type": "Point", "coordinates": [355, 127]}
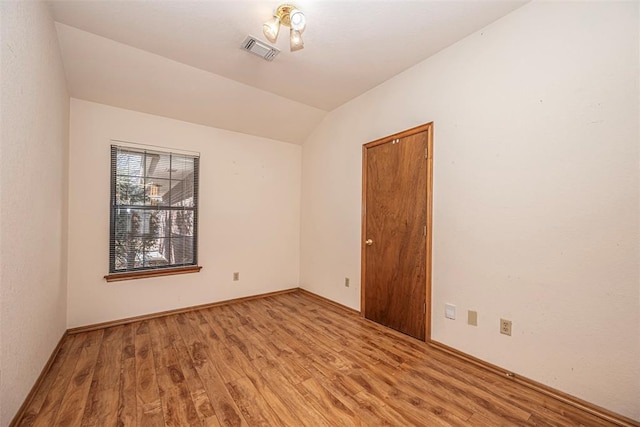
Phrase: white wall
{"type": "Point", "coordinates": [249, 215]}
{"type": "Point", "coordinates": [536, 185]}
{"type": "Point", "coordinates": [33, 177]}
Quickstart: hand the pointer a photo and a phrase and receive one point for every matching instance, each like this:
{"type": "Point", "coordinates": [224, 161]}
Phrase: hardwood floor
{"type": "Point", "coordinates": [283, 360]}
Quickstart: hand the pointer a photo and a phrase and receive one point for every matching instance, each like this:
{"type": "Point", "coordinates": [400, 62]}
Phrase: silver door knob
{"type": "Point", "coordinates": [368, 242]}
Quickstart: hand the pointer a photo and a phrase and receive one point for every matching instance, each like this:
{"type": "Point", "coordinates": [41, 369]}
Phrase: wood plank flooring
{"type": "Point", "coordinates": [287, 360]}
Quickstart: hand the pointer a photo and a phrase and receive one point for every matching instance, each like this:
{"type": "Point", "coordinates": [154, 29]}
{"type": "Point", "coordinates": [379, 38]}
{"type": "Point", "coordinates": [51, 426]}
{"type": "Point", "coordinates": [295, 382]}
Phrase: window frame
{"type": "Point", "coordinates": [150, 271]}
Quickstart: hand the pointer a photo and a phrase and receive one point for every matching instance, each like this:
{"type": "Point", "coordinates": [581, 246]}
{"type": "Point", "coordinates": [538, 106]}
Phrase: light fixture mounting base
{"type": "Point", "coordinates": [283, 12]}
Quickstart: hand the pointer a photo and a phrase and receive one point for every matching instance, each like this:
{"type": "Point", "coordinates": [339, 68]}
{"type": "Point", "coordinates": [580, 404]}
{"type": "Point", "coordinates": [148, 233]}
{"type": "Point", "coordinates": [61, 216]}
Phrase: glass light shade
{"type": "Point", "coordinates": [296, 40]}
{"type": "Point", "coordinates": [298, 20]}
{"type": "Point", "coordinates": [271, 28]}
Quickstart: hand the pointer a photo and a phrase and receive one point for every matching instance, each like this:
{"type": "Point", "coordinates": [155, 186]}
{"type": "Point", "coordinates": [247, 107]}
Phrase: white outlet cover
{"type": "Point", "coordinates": [450, 311]}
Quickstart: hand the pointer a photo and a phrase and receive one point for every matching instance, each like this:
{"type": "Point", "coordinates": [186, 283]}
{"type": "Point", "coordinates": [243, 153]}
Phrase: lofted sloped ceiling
{"type": "Point", "coordinates": [182, 59]}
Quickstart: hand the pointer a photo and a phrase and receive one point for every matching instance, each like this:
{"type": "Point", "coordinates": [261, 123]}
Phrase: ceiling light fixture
{"type": "Point", "coordinates": [289, 16]}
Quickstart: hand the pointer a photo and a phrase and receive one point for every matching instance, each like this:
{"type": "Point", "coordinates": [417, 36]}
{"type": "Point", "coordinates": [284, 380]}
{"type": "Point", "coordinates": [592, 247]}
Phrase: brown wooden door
{"type": "Point", "coordinates": [395, 232]}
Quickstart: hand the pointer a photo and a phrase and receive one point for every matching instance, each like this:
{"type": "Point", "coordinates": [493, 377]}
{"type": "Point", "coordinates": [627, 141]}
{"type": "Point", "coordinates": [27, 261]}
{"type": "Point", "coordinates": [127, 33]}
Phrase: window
{"type": "Point", "coordinates": [154, 213]}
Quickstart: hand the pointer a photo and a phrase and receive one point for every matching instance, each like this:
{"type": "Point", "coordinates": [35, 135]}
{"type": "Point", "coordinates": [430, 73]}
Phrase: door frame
{"type": "Point", "coordinates": [428, 128]}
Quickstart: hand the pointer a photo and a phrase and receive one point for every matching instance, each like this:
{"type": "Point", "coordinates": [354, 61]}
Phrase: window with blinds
{"type": "Point", "coordinates": [154, 210]}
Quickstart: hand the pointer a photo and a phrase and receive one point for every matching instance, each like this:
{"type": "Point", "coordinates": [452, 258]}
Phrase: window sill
{"type": "Point", "coordinates": [116, 277]}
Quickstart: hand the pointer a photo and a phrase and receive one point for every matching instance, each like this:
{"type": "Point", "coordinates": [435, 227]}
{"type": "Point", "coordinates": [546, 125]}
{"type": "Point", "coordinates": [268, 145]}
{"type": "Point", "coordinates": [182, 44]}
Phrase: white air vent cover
{"type": "Point", "coordinates": [255, 46]}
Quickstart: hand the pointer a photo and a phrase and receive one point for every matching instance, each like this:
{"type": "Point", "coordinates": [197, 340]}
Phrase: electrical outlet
{"type": "Point", "coordinates": [236, 276]}
{"type": "Point", "coordinates": [346, 282]}
{"type": "Point", "coordinates": [472, 318]}
{"type": "Point", "coordinates": [505, 327]}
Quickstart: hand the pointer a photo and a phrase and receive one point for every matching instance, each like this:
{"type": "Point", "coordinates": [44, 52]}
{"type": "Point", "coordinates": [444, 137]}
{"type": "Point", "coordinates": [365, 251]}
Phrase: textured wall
{"type": "Point", "coordinates": [249, 215]}
{"type": "Point", "coordinates": [535, 194]}
{"type": "Point", "coordinates": [33, 150]}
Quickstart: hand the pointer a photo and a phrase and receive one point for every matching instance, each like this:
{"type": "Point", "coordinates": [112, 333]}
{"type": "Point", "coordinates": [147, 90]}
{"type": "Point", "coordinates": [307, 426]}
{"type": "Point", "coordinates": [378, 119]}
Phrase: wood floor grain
{"type": "Point", "coordinates": [287, 360]}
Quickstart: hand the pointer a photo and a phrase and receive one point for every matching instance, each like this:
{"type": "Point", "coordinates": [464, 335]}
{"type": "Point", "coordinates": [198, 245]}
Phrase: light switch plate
{"type": "Point", "coordinates": [450, 311]}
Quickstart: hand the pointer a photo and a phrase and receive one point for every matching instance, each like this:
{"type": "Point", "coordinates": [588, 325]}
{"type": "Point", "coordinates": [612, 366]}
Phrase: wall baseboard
{"type": "Point", "coordinates": [158, 314]}
{"type": "Point", "coordinates": [328, 301]}
{"type": "Point", "coordinates": [583, 405]}
{"type": "Point", "coordinates": [36, 385]}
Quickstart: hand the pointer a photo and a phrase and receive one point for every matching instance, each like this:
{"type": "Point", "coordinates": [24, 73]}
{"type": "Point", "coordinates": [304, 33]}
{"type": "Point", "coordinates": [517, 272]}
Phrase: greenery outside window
{"type": "Point", "coordinates": [154, 212]}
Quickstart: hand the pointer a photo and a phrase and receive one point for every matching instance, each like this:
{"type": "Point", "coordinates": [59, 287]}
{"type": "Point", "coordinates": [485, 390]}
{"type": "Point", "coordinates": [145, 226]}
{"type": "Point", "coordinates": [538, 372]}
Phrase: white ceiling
{"type": "Point", "coordinates": [182, 59]}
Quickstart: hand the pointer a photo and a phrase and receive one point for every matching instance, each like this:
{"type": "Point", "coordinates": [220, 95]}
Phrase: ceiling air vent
{"type": "Point", "coordinates": [255, 46]}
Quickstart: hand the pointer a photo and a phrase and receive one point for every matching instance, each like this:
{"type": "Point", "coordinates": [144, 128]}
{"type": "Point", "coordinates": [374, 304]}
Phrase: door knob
{"type": "Point", "coordinates": [368, 242]}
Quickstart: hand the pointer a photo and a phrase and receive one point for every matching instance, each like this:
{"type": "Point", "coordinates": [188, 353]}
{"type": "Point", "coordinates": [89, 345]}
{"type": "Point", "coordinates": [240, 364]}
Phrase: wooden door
{"type": "Point", "coordinates": [396, 231]}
